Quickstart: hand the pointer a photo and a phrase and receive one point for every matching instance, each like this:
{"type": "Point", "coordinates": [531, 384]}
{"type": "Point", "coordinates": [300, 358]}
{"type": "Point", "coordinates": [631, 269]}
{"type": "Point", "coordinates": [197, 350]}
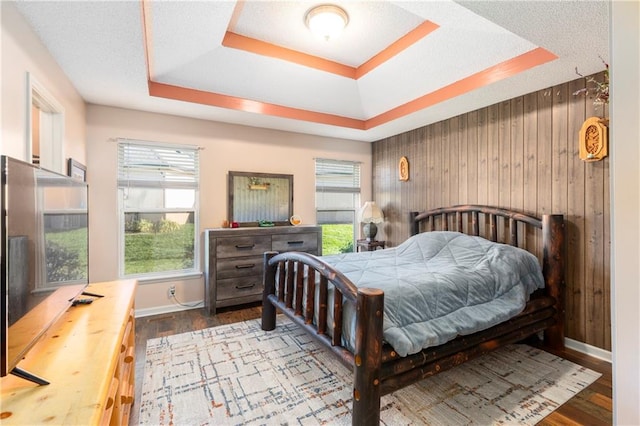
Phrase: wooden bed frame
{"type": "Point", "coordinates": [378, 370]}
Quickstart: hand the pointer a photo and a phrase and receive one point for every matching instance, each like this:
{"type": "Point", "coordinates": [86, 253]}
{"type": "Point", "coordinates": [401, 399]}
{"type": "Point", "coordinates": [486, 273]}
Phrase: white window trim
{"type": "Point", "coordinates": [357, 191]}
{"type": "Point", "coordinates": [164, 275]}
{"type": "Point", "coordinates": [52, 122]}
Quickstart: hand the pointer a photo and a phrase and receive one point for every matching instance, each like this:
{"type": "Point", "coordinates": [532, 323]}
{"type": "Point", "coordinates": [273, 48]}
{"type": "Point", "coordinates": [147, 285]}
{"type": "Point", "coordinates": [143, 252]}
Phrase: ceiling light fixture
{"type": "Point", "coordinates": [326, 21]}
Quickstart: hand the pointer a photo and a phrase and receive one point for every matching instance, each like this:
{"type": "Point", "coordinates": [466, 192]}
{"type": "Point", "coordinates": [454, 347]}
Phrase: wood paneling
{"type": "Point", "coordinates": [521, 153]}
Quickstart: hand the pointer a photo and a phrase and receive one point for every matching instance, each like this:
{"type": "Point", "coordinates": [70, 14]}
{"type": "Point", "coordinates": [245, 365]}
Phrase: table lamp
{"type": "Point", "coordinates": [370, 214]}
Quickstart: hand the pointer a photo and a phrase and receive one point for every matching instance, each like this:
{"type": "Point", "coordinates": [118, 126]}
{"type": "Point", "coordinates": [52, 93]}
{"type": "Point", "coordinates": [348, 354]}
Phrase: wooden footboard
{"type": "Point", "coordinates": [290, 281]}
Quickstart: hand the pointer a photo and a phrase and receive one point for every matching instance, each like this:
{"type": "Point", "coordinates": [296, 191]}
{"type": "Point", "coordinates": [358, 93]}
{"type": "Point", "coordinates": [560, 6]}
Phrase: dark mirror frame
{"type": "Point", "coordinates": [262, 177]}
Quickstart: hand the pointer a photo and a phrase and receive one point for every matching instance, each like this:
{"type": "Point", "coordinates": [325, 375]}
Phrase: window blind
{"type": "Point", "coordinates": [337, 176]}
{"type": "Point", "coordinates": [157, 166]}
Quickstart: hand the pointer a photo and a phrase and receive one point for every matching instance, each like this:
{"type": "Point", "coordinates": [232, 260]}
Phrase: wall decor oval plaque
{"type": "Point", "coordinates": [403, 169]}
{"type": "Point", "coordinates": [593, 139]}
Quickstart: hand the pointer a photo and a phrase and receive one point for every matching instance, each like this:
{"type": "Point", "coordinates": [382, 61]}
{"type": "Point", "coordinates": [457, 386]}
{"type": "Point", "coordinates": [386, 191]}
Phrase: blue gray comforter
{"type": "Point", "coordinates": [439, 285]}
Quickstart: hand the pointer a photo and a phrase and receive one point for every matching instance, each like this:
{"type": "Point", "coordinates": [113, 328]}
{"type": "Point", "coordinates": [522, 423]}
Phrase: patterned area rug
{"type": "Point", "coordinates": [238, 375]}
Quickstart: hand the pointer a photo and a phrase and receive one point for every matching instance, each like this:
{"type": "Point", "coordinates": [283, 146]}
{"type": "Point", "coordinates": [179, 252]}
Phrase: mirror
{"type": "Point", "coordinates": [260, 198]}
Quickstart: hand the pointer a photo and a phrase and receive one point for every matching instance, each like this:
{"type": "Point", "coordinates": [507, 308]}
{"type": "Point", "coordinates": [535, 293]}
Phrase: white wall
{"type": "Point", "coordinates": [625, 192]}
{"type": "Point", "coordinates": [21, 52]}
{"type": "Point", "coordinates": [226, 147]}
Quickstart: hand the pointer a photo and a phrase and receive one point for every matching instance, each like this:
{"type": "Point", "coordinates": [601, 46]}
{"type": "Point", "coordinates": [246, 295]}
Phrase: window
{"type": "Point", "coordinates": [337, 199]}
{"type": "Point", "coordinates": [158, 193]}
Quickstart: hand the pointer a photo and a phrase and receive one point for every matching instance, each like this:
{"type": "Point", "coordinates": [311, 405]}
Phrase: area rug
{"type": "Point", "coordinates": [238, 374]}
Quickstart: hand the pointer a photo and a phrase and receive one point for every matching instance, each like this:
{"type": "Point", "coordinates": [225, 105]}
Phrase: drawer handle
{"type": "Point", "coordinates": [244, 287]}
{"type": "Point", "coordinates": [295, 242]}
{"type": "Point", "coordinates": [246, 266]}
{"type": "Point", "coordinates": [245, 246]}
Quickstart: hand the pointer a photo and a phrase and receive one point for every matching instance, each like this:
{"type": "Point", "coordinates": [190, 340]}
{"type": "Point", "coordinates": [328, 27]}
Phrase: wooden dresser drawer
{"type": "Point", "coordinates": [242, 246]}
{"type": "Point", "coordinates": [307, 242]}
{"type": "Point", "coordinates": [239, 267]}
{"type": "Point", "coordinates": [230, 288]}
{"type": "Point", "coordinates": [234, 264]}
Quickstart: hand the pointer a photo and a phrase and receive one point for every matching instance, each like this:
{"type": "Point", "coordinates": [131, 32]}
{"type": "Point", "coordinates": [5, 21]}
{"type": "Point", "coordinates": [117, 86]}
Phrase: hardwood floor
{"type": "Point", "coordinates": [591, 407]}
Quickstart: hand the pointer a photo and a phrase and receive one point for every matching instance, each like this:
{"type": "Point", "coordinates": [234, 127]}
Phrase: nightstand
{"type": "Point", "coordinates": [370, 245]}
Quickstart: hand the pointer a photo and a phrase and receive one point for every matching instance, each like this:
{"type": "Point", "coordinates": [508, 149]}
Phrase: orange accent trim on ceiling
{"type": "Point", "coordinates": [259, 47]}
{"type": "Point", "coordinates": [413, 36]}
{"type": "Point", "coordinates": [237, 41]}
{"type": "Point", "coordinates": [231, 102]}
{"type": "Point", "coordinates": [483, 78]}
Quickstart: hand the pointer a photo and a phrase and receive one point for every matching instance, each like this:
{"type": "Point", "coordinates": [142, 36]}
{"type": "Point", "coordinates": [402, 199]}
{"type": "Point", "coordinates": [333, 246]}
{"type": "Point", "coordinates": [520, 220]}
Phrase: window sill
{"type": "Point", "coordinates": [168, 277]}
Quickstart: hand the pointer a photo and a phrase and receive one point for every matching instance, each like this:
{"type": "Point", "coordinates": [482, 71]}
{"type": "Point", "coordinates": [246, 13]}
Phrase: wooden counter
{"type": "Point", "coordinates": [88, 358]}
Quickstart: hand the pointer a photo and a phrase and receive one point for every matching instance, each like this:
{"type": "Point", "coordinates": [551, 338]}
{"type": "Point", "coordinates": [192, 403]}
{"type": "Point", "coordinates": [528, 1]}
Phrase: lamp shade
{"type": "Point", "coordinates": [370, 213]}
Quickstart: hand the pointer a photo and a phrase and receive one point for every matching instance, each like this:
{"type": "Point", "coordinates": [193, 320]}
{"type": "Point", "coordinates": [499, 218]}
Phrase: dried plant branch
{"type": "Point", "coordinates": [599, 90]}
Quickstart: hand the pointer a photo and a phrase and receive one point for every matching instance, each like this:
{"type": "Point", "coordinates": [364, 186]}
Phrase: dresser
{"type": "Point", "coordinates": [234, 259]}
{"type": "Point", "coordinates": [88, 357]}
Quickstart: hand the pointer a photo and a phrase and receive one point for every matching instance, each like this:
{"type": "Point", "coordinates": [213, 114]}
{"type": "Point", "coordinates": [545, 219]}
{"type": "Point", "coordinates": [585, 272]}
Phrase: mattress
{"type": "Point", "coordinates": [439, 285]}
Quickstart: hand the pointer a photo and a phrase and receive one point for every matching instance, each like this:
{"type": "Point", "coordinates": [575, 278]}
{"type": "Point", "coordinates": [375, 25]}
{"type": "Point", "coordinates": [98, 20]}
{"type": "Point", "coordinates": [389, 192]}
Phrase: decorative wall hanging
{"type": "Point", "coordinates": [593, 140]}
{"type": "Point", "coordinates": [403, 169]}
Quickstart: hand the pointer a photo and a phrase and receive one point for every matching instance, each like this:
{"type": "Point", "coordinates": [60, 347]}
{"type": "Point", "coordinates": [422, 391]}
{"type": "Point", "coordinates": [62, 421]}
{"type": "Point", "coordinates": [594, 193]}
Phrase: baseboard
{"type": "Point", "coordinates": [588, 349]}
{"type": "Point", "coordinates": [167, 309]}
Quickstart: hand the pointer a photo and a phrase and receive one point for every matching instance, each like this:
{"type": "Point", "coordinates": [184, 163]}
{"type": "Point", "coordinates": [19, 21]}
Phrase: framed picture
{"type": "Point", "coordinates": [76, 170]}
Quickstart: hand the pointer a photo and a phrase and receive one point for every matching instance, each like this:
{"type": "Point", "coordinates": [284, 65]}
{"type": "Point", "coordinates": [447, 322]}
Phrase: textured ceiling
{"type": "Point", "coordinates": [397, 66]}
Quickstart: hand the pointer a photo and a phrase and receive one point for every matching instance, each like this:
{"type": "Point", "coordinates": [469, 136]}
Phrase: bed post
{"type": "Point", "coordinates": [553, 270]}
{"type": "Point", "coordinates": [269, 280]}
{"type": "Point", "coordinates": [368, 357]}
{"type": "Point", "coordinates": [414, 227]}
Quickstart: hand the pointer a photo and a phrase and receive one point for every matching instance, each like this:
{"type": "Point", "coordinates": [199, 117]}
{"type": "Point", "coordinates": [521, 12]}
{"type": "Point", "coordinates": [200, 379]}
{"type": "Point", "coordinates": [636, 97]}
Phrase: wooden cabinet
{"type": "Point", "coordinates": [234, 257]}
{"type": "Point", "coordinates": [88, 358]}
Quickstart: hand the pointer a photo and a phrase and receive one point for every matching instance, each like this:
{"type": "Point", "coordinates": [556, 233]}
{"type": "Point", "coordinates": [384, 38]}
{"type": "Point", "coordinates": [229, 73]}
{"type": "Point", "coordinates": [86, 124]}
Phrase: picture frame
{"type": "Point", "coordinates": [76, 170]}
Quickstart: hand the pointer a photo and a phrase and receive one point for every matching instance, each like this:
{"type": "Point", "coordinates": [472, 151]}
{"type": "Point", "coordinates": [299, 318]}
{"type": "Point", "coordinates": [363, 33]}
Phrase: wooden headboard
{"type": "Point", "coordinates": [513, 228]}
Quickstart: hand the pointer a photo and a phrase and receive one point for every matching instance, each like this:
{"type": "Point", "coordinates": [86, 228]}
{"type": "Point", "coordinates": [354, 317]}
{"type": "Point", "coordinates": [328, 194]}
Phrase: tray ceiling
{"type": "Point", "coordinates": [397, 66]}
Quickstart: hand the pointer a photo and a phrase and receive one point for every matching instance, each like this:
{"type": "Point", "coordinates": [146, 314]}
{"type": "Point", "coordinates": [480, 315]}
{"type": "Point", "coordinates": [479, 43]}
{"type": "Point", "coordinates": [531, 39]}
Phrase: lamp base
{"type": "Point", "coordinates": [370, 230]}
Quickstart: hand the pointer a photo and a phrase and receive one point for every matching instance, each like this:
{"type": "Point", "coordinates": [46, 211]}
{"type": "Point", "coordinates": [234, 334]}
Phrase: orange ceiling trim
{"type": "Point", "coordinates": [231, 102]}
{"type": "Point", "coordinates": [483, 78]}
{"type": "Point", "coordinates": [237, 41]}
{"type": "Point", "coordinates": [404, 42]}
{"type": "Point", "coordinates": [259, 47]}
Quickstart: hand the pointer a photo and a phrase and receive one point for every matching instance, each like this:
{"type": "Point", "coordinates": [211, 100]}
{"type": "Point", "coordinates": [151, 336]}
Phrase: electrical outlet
{"type": "Point", "coordinates": [172, 291]}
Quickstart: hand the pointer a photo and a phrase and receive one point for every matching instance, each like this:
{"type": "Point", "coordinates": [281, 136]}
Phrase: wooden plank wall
{"type": "Point", "coordinates": [521, 153]}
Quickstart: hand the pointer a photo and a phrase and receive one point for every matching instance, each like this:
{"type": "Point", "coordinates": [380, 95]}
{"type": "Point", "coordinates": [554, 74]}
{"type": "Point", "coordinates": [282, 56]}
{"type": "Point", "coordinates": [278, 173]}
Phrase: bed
{"type": "Point", "coordinates": [351, 320]}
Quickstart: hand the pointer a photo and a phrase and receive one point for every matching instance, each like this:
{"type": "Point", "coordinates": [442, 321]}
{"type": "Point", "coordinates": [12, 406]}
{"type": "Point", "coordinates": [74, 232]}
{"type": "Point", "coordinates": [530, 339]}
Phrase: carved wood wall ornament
{"type": "Point", "coordinates": [593, 139]}
{"type": "Point", "coordinates": [403, 169]}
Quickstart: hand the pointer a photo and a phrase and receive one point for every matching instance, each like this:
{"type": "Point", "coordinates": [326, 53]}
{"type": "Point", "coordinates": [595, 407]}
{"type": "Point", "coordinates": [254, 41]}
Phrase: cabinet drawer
{"type": "Point", "coordinates": [296, 242]}
{"type": "Point", "coordinates": [239, 267]}
{"type": "Point", "coordinates": [242, 246]}
{"type": "Point", "coordinates": [230, 288]}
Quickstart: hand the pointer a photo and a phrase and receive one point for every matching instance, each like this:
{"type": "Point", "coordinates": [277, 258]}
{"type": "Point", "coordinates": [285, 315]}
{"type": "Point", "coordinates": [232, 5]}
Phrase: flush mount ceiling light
{"type": "Point", "coordinates": [326, 21]}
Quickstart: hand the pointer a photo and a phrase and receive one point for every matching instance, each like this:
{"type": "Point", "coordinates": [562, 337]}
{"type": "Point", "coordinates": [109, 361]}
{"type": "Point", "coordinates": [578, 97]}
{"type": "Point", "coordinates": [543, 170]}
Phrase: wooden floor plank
{"type": "Point", "coordinates": [592, 406]}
